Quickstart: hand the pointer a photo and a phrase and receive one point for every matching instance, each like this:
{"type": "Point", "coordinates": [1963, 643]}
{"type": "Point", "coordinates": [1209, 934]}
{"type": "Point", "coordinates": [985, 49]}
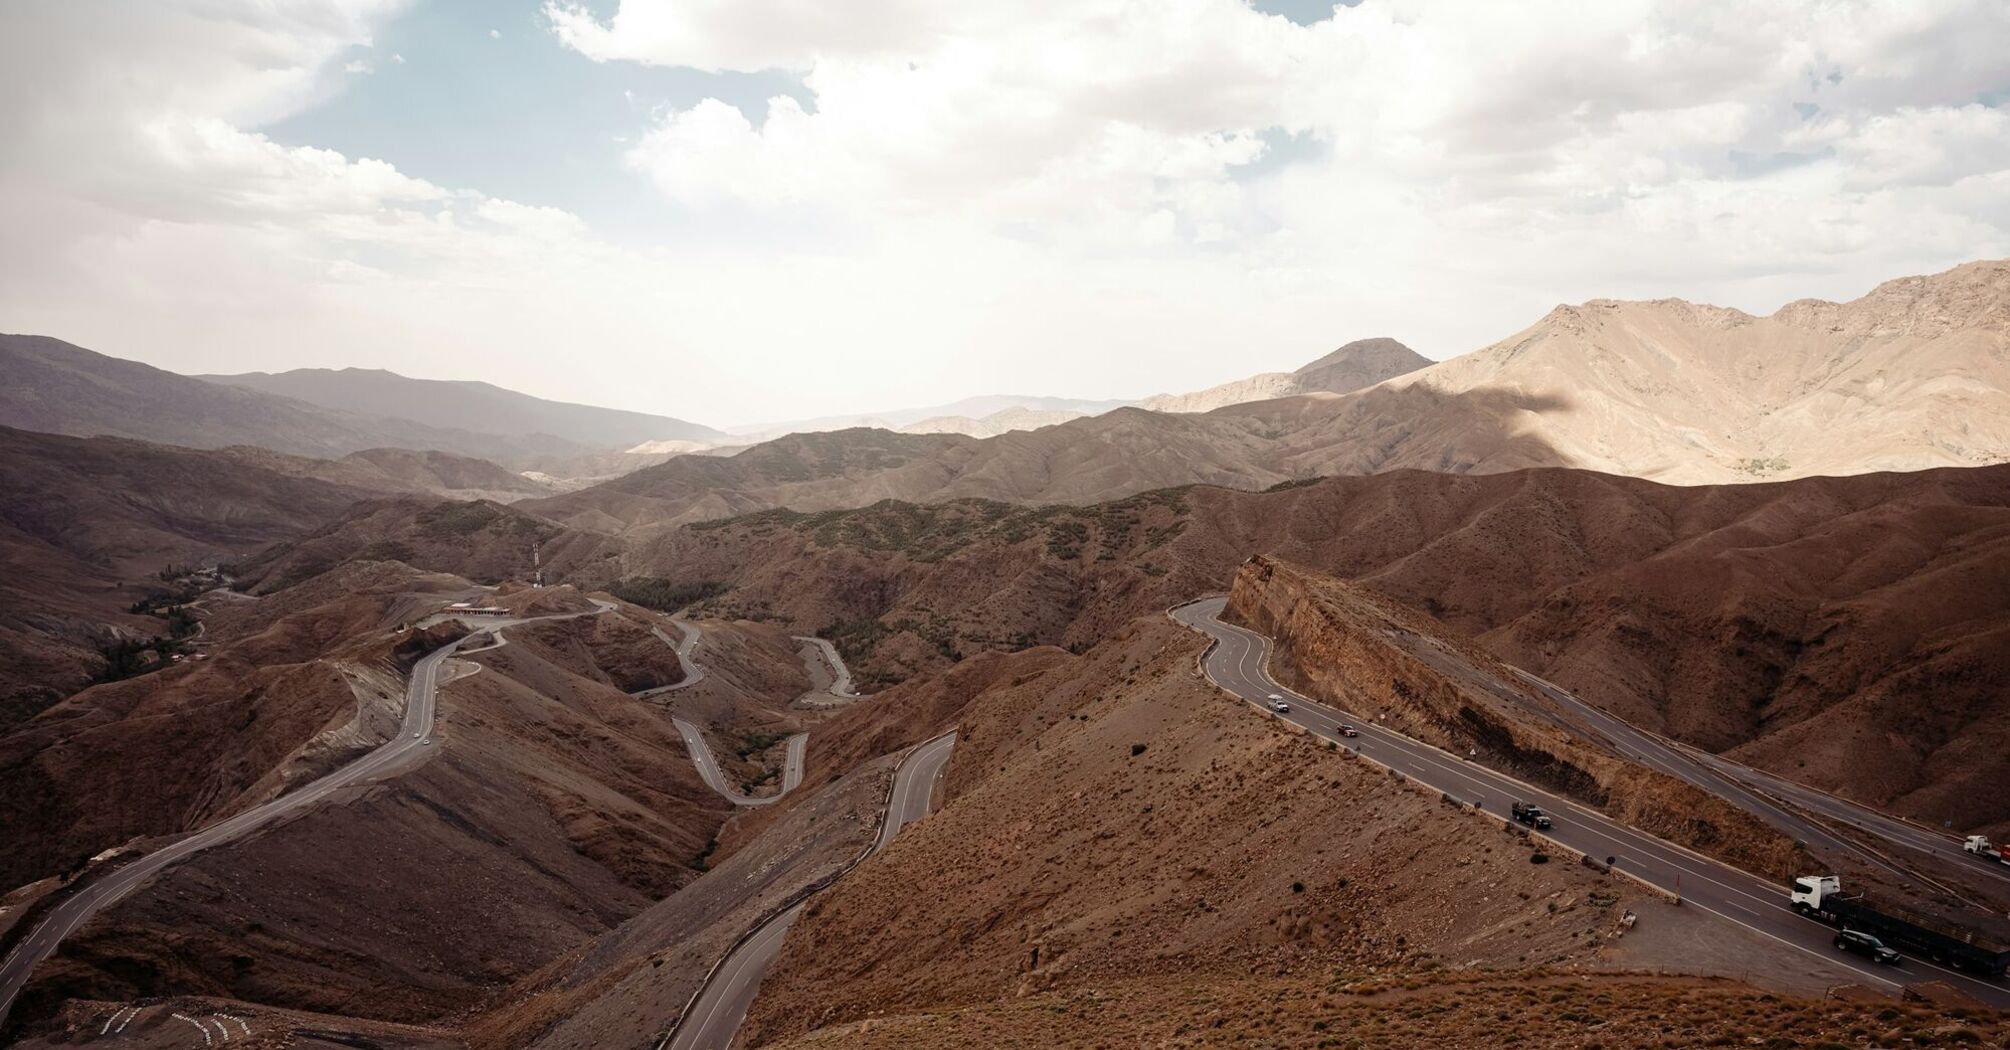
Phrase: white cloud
{"type": "Point", "coordinates": [1073, 196]}
{"type": "Point", "coordinates": [495, 34]}
{"type": "Point", "coordinates": [356, 66]}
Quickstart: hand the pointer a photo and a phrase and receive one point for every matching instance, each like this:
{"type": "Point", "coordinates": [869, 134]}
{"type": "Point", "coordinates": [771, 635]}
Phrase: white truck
{"type": "Point", "coordinates": [1979, 846]}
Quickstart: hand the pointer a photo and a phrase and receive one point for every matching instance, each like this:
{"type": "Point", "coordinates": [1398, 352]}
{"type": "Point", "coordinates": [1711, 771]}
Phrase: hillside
{"type": "Point", "coordinates": [475, 407]}
{"type": "Point", "coordinates": [57, 388]}
{"type": "Point", "coordinates": [1914, 375]}
{"type": "Point", "coordinates": [1358, 364]}
{"type": "Point", "coordinates": [1112, 829]}
{"type": "Point", "coordinates": [935, 419]}
{"type": "Point", "coordinates": [554, 805]}
{"type": "Point", "coordinates": [1795, 624]}
{"type": "Point", "coordinates": [87, 523]}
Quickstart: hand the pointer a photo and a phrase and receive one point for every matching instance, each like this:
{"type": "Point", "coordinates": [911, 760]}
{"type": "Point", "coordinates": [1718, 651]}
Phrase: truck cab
{"type": "Point", "coordinates": [1809, 891]}
{"type": "Point", "coordinates": [1980, 846]}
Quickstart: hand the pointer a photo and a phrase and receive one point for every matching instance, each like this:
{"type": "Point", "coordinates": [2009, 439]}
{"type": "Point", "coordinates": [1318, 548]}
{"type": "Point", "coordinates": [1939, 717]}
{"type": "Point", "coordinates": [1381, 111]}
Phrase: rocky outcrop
{"type": "Point", "coordinates": [1365, 653]}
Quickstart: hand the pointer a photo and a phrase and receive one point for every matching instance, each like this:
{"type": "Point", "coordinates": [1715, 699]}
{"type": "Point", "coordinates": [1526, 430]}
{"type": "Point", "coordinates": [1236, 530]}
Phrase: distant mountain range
{"type": "Point", "coordinates": [476, 407]}
{"type": "Point", "coordinates": [56, 387]}
{"type": "Point", "coordinates": [1914, 375]}
{"type": "Point", "coordinates": [1359, 364]}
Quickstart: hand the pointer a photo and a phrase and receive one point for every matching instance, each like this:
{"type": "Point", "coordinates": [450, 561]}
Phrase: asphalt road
{"type": "Point", "coordinates": [1237, 663]}
{"type": "Point", "coordinates": [841, 683]}
{"type": "Point", "coordinates": [715, 1017]}
{"type": "Point", "coordinates": [1663, 756]}
{"type": "Point", "coordinates": [708, 766]}
{"type": "Point", "coordinates": [694, 672]}
{"type": "Point", "coordinates": [409, 747]}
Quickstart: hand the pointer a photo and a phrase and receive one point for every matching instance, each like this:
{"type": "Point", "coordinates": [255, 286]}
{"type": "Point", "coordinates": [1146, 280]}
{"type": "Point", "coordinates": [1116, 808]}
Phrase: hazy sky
{"type": "Point", "coordinates": [738, 210]}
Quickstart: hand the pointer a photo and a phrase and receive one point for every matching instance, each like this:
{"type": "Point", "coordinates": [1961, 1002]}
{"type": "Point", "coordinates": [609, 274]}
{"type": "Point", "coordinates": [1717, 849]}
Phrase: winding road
{"type": "Point", "coordinates": [1238, 664]}
{"type": "Point", "coordinates": [685, 648]}
{"type": "Point", "coordinates": [408, 748]}
{"type": "Point", "coordinates": [708, 766]}
{"type": "Point", "coordinates": [841, 684]}
{"type": "Point", "coordinates": [1759, 793]}
{"type": "Point", "coordinates": [715, 1016]}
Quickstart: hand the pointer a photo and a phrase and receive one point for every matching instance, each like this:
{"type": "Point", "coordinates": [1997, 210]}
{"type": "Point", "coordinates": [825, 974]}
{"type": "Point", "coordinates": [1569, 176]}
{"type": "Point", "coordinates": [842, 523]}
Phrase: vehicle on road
{"type": "Point", "coordinates": [1278, 705]}
{"type": "Point", "coordinates": [1865, 945]}
{"type": "Point", "coordinates": [1820, 897]}
{"type": "Point", "coordinates": [1347, 730]}
{"type": "Point", "coordinates": [1533, 816]}
{"type": "Point", "coordinates": [418, 735]}
{"type": "Point", "coordinates": [1980, 846]}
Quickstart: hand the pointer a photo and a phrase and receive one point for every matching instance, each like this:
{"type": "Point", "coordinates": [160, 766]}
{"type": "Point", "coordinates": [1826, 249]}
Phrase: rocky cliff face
{"type": "Point", "coordinates": [1367, 654]}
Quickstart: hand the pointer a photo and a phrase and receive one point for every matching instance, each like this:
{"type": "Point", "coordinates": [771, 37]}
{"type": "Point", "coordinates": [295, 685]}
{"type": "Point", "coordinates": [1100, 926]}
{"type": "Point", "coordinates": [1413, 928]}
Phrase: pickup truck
{"type": "Point", "coordinates": [1533, 816]}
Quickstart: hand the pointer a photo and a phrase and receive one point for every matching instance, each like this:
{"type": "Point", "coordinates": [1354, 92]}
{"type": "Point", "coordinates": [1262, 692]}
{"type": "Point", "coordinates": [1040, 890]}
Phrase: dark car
{"type": "Point", "coordinates": [1347, 730]}
{"type": "Point", "coordinates": [1866, 945]}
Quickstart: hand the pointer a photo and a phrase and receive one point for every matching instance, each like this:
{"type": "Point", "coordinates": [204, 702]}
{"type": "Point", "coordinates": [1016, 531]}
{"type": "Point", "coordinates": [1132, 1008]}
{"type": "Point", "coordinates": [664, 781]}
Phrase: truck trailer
{"type": "Point", "coordinates": [1820, 897]}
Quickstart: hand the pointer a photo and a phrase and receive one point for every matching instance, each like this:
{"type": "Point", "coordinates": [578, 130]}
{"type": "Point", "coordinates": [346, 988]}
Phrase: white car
{"type": "Point", "coordinates": [1278, 705]}
{"type": "Point", "coordinates": [418, 734]}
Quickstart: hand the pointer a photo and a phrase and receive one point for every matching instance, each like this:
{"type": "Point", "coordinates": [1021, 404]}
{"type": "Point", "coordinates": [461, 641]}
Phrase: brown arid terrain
{"type": "Point", "coordinates": [170, 750]}
{"type": "Point", "coordinates": [1915, 374]}
{"type": "Point", "coordinates": [406, 471]}
{"type": "Point", "coordinates": [1911, 376]}
{"type": "Point", "coordinates": [90, 524]}
{"type": "Point", "coordinates": [58, 388]}
{"type": "Point", "coordinates": [1345, 644]}
{"type": "Point", "coordinates": [1112, 825]}
{"type": "Point", "coordinates": [555, 807]}
{"type": "Point", "coordinates": [1793, 624]}
{"type": "Point", "coordinates": [1355, 1011]}
{"type": "Point", "coordinates": [623, 987]}
{"type": "Point", "coordinates": [1361, 363]}
{"type": "Point", "coordinates": [485, 541]}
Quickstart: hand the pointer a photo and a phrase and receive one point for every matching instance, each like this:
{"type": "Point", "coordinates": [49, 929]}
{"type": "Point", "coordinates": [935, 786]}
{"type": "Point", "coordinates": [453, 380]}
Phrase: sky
{"type": "Point", "coordinates": [736, 211]}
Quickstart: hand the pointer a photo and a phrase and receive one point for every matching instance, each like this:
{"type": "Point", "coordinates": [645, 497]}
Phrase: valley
{"type": "Point", "coordinates": [419, 743]}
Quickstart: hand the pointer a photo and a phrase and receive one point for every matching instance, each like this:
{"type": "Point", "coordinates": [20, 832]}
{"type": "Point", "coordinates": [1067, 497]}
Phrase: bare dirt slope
{"type": "Point", "coordinates": [1474, 1012]}
{"type": "Point", "coordinates": [1111, 818]}
{"type": "Point", "coordinates": [1915, 374]}
{"type": "Point", "coordinates": [629, 984]}
{"type": "Point", "coordinates": [171, 750]}
{"type": "Point", "coordinates": [479, 539]}
{"type": "Point", "coordinates": [87, 523]}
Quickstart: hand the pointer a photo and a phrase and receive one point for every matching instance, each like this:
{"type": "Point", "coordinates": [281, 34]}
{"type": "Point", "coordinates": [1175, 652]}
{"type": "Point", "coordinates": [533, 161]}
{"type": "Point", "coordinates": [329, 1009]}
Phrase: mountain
{"type": "Point", "coordinates": [1003, 421]}
{"type": "Point", "coordinates": [1361, 363]}
{"type": "Point", "coordinates": [403, 471]}
{"type": "Point", "coordinates": [59, 388]}
{"type": "Point", "coordinates": [475, 407]}
{"type": "Point", "coordinates": [812, 469]}
{"type": "Point", "coordinates": [1797, 625]}
{"type": "Point", "coordinates": [1914, 374]}
{"type": "Point", "coordinates": [939, 419]}
{"type": "Point", "coordinates": [87, 523]}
